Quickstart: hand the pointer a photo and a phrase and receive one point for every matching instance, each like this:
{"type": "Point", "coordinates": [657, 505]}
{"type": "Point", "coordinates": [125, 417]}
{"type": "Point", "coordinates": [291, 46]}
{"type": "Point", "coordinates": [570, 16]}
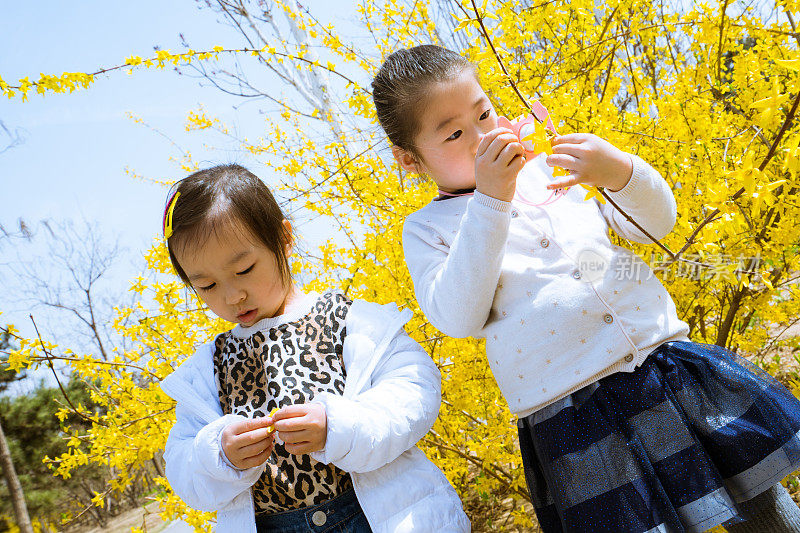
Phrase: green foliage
{"type": "Point", "coordinates": [33, 432]}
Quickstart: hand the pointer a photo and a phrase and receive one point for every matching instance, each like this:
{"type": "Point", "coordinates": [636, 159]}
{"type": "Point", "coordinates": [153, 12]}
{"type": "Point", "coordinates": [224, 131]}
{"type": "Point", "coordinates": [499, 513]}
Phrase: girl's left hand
{"type": "Point", "coordinates": [590, 160]}
{"type": "Point", "coordinates": [302, 428]}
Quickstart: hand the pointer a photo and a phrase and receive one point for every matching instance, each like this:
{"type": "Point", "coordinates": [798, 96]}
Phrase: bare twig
{"type": "Point", "coordinates": [499, 61]}
{"type": "Point", "coordinates": [505, 479]}
{"type": "Point", "coordinates": [55, 375]}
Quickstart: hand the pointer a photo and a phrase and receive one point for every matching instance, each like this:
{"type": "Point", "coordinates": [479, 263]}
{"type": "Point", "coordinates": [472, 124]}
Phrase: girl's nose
{"type": "Point", "coordinates": [234, 295]}
{"type": "Point", "coordinates": [475, 139]}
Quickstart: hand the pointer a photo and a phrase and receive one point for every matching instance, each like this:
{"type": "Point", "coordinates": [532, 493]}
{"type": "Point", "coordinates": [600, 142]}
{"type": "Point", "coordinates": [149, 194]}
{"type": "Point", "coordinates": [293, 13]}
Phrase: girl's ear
{"type": "Point", "coordinates": [406, 160]}
{"type": "Point", "coordinates": [287, 227]}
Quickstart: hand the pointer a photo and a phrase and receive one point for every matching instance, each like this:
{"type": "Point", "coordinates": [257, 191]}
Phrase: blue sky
{"type": "Point", "coordinates": [76, 146]}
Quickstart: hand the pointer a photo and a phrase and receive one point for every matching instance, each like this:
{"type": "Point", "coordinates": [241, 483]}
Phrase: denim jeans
{"type": "Point", "coordinates": [341, 514]}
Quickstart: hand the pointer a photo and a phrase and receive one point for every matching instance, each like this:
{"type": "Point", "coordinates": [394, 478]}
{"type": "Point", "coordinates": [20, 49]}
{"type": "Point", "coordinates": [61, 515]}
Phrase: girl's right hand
{"type": "Point", "coordinates": [248, 443]}
{"type": "Point", "coordinates": [498, 159]}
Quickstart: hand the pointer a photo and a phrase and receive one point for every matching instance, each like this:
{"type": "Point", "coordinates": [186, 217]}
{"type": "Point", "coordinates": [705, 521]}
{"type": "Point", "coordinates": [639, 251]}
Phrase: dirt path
{"type": "Point", "coordinates": [145, 517]}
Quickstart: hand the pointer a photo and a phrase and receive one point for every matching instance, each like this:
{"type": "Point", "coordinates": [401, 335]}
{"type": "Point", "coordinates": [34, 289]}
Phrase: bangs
{"type": "Point", "coordinates": [219, 223]}
{"type": "Point", "coordinates": [223, 201]}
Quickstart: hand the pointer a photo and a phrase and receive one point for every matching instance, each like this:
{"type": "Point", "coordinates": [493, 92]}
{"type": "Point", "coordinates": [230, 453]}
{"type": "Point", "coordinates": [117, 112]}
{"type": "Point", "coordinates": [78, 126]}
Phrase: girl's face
{"type": "Point", "coordinates": [457, 113]}
{"type": "Point", "coordinates": [237, 277]}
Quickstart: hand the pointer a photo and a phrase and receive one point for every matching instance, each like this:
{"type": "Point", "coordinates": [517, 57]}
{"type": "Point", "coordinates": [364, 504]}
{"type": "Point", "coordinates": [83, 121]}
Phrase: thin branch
{"type": "Point", "coordinates": [476, 461]}
{"type": "Point", "coordinates": [721, 36]}
{"type": "Point", "coordinates": [632, 221]}
{"type": "Point", "coordinates": [55, 375]}
{"type": "Point", "coordinates": [496, 55]}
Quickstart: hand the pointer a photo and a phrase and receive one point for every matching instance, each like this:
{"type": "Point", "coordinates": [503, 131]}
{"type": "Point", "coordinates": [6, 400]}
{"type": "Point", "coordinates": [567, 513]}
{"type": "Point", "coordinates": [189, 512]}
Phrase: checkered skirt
{"type": "Point", "coordinates": [673, 446]}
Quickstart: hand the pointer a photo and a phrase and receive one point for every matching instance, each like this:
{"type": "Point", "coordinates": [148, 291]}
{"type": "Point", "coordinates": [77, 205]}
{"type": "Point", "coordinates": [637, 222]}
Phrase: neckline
{"type": "Point", "coordinates": [443, 195]}
{"type": "Point", "coordinates": [298, 308]}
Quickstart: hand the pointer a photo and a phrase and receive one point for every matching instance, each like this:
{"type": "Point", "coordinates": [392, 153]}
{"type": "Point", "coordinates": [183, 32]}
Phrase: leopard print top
{"type": "Point", "coordinates": [284, 365]}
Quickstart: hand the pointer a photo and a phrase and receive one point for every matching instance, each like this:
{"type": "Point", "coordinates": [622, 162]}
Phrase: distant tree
{"type": "Point", "coordinates": [34, 432]}
{"type": "Point", "coordinates": [10, 138]}
{"type": "Point", "coordinates": [63, 274]}
{"type": "Point", "coordinates": [8, 376]}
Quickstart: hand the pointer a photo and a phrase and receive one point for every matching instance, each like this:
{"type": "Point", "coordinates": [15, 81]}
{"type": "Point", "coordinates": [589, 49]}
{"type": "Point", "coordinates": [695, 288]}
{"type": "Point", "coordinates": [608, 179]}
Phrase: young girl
{"type": "Point", "coordinates": [352, 393]}
{"type": "Point", "coordinates": [624, 425]}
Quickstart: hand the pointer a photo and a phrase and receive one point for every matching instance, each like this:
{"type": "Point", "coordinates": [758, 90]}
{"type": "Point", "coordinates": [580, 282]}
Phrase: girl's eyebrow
{"type": "Point", "coordinates": [237, 257]}
{"type": "Point", "coordinates": [196, 276]}
{"type": "Point", "coordinates": [446, 121]}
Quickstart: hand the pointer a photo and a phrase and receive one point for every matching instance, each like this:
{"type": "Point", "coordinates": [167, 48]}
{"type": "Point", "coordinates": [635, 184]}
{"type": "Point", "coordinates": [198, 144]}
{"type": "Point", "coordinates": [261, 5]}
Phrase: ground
{"type": "Point", "coordinates": [146, 518]}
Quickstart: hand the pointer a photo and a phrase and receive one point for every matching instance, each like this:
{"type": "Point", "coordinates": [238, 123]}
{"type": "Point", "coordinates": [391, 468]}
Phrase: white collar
{"type": "Point", "coordinates": [298, 307]}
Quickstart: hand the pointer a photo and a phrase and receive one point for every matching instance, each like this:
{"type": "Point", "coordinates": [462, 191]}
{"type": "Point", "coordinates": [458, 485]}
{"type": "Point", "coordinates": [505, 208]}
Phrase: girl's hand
{"type": "Point", "coordinates": [303, 428]}
{"type": "Point", "coordinates": [498, 160]}
{"type": "Point", "coordinates": [248, 443]}
{"type": "Point", "coordinates": [590, 160]}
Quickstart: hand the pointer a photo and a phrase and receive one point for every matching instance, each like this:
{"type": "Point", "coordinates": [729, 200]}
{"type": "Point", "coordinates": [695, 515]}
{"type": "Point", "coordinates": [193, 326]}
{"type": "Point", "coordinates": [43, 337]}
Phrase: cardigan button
{"type": "Point", "coordinates": [576, 274]}
{"type": "Point", "coordinates": [319, 518]}
{"type": "Point", "coordinates": [545, 243]}
{"type": "Point", "coordinates": [629, 358]}
{"type": "Point", "coordinates": [608, 318]}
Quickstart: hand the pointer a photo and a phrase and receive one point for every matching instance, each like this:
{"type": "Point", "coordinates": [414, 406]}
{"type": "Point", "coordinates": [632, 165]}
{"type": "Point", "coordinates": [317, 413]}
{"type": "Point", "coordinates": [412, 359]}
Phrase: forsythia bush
{"type": "Point", "coordinates": [707, 93]}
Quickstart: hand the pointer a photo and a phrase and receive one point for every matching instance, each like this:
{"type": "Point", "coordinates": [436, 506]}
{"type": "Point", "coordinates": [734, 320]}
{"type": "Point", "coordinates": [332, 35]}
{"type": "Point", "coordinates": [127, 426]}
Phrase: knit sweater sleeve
{"type": "Point", "coordinates": [455, 284]}
{"type": "Point", "coordinates": [648, 199]}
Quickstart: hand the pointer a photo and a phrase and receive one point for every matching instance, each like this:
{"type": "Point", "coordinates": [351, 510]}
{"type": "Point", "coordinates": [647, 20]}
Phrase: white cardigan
{"type": "Point", "coordinates": [522, 277]}
{"type": "Point", "coordinates": [391, 399]}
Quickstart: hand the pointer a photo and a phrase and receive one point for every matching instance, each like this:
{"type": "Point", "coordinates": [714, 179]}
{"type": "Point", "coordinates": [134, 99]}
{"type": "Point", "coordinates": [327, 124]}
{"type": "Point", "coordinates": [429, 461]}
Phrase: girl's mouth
{"type": "Point", "coordinates": [247, 316]}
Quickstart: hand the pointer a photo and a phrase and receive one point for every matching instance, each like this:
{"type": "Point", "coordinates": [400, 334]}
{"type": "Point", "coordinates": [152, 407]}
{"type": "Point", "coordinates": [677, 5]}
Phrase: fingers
{"type": "Point", "coordinates": [499, 144]}
{"type": "Point", "coordinates": [576, 150]}
{"type": "Point", "coordinates": [290, 411]}
{"type": "Point", "coordinates": [252, 450]}
{"type": "Point", "coordinates": [256, 435]}
{"type": "Point", "coordinates": [248, 449]}
{"type": "Point", "coordinates": [510, 152]}
{"type": "Point", "coordinates": [489, 140]}
{"type": "Point", "coordinates": [295, 437]}
{"type": "Point", "coordinates": [567, 181]}
{"type": "Point", "coordinates": [255, 460]}
{"type": "Point", "coordinates": [251, 424]}
{"type": "Point", "coordinates": [518, 162]}
{"type": "Point", "coordinates": [485, 141]}
{"type": "Point", "coordinates": [565, 161]}
{"type": "Point", "coordinates": [570, 138]}
{"type": "Point", "coordinates": [301, 448]}
{"type": "Point", "coordinates": [300, 442]}
{"type": "Point", "coordinates": [292, 424]}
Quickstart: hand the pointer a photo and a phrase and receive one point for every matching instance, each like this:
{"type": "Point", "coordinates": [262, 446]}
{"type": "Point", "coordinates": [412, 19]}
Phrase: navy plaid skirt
{"type": "Point", "coordinates": [673, 446]}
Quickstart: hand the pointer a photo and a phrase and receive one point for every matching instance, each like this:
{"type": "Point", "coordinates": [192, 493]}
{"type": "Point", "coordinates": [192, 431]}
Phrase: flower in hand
{"type": "Point", "coordinates": [302, 428]}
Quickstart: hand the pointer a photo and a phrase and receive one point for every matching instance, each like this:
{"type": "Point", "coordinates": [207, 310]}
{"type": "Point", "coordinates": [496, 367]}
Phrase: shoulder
{"type": "Point", "coordinates": [194, 370]}
{"type": "Point", "coordinates": [434, 220]}
{"type": "Point", "coordinates": [434, 210]}
{"type": "Point", "coordinates": [335, 299]}
{"type": "Point", "coordinates": [363, 309]}
{"type": "Point", "coordinates": [376, 320]}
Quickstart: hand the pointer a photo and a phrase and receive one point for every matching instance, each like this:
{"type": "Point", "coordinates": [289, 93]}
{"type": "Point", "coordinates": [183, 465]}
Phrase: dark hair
{"type": "Point", "coordinates": [224, 194]}
{"type": "Point", "coordinates": [401, 82]}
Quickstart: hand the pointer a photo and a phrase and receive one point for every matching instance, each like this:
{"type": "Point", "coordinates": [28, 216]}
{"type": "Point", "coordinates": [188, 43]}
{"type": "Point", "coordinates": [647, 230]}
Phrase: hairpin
{"type": "Point", "coordinates": [168, 215]}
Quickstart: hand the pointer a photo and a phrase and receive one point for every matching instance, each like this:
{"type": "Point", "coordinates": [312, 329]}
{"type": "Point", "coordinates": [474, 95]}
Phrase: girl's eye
{"type": "Point", "coordinates": [207, 287]}
{"type": "Point", "coordinates": [485, 114]}
{"type": "Point", "coordinates": [454, 136]}
{"type": "Point", "coordinates": [246, 270]}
